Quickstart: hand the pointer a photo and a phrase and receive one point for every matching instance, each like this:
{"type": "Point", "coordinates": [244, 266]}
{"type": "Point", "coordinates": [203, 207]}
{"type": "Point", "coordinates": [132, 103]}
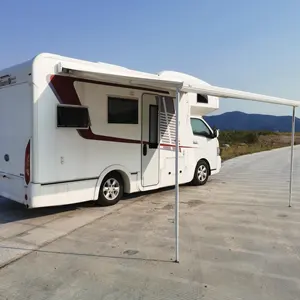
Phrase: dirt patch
{"type": "Point", "coordinates": [211, 228]}
{"type": "Point", "coordinates": [193, 203]}
{"type": "Point", "coordinates": [130, 252]}
{"type": "Point", "coordinates": [245, 212]}
{"type": "Point", "coordinates": [22, 234]}
{"type": "Point", "coordinates": [245, 222]}
{"type": "Point", "coordinates": [282, 215]}
{"type": "Point", "coordinates": [168, 207]}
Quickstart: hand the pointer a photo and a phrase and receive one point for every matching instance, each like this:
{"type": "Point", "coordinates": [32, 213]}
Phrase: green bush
{"type": "Point", "coordinates": [234, 137]}
{"type": "Point", "coordinates": [251, 138]}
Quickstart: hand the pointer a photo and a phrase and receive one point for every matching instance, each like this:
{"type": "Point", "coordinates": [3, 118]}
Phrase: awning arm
{"type": "Point", "coordinates": [97, 73]}
{"type": "Point", "coordinates": [236, 94]}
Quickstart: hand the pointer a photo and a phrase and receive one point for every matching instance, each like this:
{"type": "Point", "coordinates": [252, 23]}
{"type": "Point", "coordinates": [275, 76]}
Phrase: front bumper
{"type": "Point", "coordinates": [218, 169]}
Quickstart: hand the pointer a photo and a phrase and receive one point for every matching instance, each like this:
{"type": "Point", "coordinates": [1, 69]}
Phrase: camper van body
{"type": "Point", "coordinates": [63, 134]}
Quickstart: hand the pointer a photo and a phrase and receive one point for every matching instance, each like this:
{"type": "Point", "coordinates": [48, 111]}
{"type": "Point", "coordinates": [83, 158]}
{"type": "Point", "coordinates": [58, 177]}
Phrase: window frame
{"type": "Point", "coordinates": [77, 107]}
{"type": "Point", "coordinates": [199, 134]}
{"type": "Point", "coordinates": [110, 97]}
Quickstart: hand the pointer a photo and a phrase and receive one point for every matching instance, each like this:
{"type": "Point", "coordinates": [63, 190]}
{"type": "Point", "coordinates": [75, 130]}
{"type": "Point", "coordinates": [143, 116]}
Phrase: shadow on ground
{"type": "Point", "coordinates": [11, 211]}
{"type": "Point", "coordinates": [127, 254]}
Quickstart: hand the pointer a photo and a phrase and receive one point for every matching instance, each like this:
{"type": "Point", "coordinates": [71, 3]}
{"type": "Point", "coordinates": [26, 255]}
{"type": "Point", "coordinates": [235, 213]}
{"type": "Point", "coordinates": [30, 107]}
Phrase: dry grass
{"type": "Point", "coordinates": [237, 150]}
{"type": "Point", "coordinates": [241, 144]}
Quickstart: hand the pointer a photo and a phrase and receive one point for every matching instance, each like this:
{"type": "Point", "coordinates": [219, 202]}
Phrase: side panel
{"type": "Point", "coordinates": [68, 154]}
{"type": "Point", "coordinates": [167, 140]}
{"type": "Point", "coordinates": [16, 106]}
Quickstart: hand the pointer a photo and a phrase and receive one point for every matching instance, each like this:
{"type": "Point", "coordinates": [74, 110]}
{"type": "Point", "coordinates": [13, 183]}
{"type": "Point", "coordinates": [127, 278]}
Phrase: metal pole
{"type": "Point", "coordinates": [177, 179]}
{"type": "Point", "coordinates": [292, 156]}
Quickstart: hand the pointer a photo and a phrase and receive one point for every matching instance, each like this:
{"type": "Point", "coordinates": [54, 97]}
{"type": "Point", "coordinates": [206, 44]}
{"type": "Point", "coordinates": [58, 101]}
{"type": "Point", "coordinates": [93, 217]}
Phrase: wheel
{"type": "Point", "coordinates": [201, 173]}
{"type": "Point", "coordinates": [111, 189]}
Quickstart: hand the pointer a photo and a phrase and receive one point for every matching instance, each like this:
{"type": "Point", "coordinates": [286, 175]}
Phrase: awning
{"type": "Point", "coordinates": [94, 72]}
{"type": "Point", "coordinates": [100, 72]}
{"type": "Point", "coordinates": [236, 94]}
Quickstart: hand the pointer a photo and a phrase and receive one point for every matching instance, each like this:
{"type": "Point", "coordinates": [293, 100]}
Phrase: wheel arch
{"type": "Point", "coordinates": [124, 173]}
{"type": "Point", "coordinates": [209, 168]}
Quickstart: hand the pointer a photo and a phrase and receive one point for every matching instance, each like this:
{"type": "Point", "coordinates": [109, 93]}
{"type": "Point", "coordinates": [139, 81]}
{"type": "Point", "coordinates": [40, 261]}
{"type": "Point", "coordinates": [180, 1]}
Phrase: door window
{"type": "Point", "coordinates": [153, 126]}
{"type": "Point", "coordinates": [200, 128]}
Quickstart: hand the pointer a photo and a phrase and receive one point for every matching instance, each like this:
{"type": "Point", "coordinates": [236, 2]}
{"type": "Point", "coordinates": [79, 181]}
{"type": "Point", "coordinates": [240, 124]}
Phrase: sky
{"type": "Point", "coordinates": [248, 45]}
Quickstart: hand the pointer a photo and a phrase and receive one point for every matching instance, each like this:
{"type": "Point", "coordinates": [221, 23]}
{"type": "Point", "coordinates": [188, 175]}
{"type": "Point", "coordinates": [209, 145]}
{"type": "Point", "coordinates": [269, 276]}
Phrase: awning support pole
{"type": "Point", "coordinates": [292, 157]}
{"type": "Point", "coordinates": [177, 179]}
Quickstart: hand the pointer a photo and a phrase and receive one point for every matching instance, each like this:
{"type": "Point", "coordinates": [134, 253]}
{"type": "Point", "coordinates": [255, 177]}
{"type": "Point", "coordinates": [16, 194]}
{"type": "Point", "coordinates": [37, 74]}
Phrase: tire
{"type": "Point", "coordinates": [201, 174]}
{"type": "Point", "coordinates": [111, 189]}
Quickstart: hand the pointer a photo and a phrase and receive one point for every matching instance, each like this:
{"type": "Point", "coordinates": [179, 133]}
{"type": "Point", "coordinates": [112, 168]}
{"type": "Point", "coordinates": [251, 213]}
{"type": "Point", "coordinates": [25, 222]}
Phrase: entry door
{"type": "Point", "coordinates": [150, 140]}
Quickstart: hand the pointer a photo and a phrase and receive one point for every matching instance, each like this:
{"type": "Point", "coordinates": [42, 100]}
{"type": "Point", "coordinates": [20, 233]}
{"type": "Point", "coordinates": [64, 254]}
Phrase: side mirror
{"type": "Point", "coordinates": [216, 133]}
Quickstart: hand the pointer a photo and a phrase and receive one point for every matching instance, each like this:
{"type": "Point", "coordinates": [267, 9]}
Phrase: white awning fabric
{"type": "Point", "coordinates": [236, 94]}
{"type": "Point", "coordinates": [101, 72]}
{"type": "Point", "coordinates": [95, 72]}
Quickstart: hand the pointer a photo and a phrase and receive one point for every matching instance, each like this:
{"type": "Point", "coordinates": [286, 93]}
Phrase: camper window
{"type": "Point", "coordinates": [123, 111]}
{"type": "Point", "coordinates": [202, 99]}
{"type": "Point", "coordinates": [73, 116]}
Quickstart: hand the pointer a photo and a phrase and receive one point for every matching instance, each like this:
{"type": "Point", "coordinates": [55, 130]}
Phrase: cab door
{"type": "Point", "coordinates": [205, 142]}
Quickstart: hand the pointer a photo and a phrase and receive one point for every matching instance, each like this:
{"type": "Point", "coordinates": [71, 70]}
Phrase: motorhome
{"type": "Point", "coordinates": [74, 131]}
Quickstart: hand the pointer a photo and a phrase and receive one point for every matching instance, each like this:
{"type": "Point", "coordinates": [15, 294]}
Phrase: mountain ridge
{"type": "Point", "coordinates": [237, 120]}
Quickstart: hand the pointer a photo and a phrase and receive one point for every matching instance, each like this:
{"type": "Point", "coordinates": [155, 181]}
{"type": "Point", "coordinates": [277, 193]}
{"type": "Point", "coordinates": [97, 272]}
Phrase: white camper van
{"type": "Point", "coordinates": [74, 131]}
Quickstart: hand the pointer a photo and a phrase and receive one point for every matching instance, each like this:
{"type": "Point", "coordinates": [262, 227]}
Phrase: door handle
{"type": "Point", "coordinates": [195, 142]}
{"type": "Point", "coordinates": [145, 149]}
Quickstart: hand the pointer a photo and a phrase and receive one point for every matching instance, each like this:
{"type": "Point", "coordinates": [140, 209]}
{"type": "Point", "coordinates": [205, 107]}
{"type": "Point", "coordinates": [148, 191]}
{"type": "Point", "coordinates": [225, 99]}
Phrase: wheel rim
{"type": "Point", "coordinates": [111, 189]}
{"type": "Point", "coordinates": [202, 173]}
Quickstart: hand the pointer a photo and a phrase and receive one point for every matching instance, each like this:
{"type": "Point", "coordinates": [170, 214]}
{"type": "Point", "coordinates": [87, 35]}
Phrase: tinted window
{"type": "Point", "coordinates": [202, 99]}
{"type": "Point", "coordinates": [153, 126]}
{"type": "Point", "coordinates": [73, 116]}
{"type": "Point", "coordinates": [200, 128]}
{"type": "Point", "coordinates": [122, 111]}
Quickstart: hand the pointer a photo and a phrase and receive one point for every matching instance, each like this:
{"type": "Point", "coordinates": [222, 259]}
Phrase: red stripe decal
{"type": "Point", "coordinates": [63, 88]}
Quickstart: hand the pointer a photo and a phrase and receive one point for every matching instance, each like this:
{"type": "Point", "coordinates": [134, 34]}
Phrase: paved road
{"type": "Point", "coordinates": [239, 240]}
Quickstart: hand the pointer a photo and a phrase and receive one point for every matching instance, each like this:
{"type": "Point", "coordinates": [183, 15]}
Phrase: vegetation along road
{"type": "Point", "coordinates": [236, 143]}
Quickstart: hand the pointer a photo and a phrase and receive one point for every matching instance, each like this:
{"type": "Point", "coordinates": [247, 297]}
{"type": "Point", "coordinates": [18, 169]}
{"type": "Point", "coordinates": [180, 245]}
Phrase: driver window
{"type": "Point", "coordinates": [200, 128]}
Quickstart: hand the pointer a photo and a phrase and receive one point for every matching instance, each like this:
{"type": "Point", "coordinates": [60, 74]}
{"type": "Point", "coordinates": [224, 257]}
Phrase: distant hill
{"type": "Point", "coordinates": [241, 121]}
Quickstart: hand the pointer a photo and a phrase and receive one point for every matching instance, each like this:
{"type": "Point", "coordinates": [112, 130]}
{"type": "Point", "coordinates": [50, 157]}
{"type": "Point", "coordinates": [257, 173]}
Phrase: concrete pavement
{"type": "Point", "coordinates": [239, 240]}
